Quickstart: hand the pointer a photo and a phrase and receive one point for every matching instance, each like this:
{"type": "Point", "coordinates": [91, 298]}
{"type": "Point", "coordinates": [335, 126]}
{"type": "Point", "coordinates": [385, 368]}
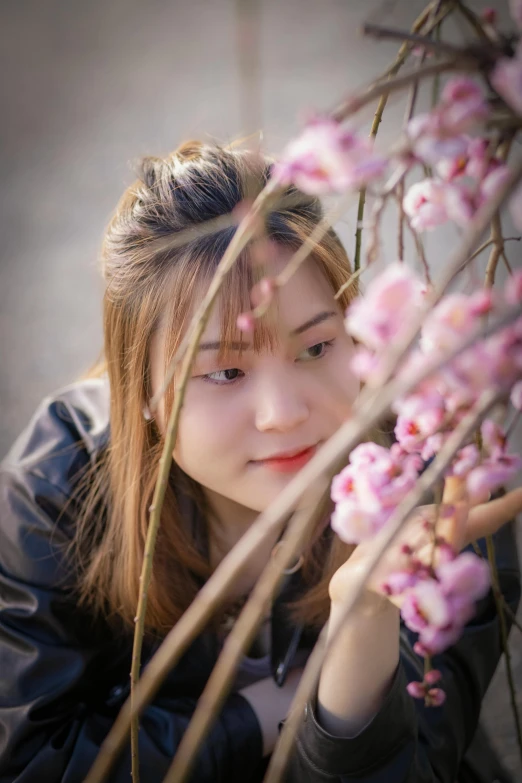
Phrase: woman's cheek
{"type": "Point", "coordinates": [206, 429]}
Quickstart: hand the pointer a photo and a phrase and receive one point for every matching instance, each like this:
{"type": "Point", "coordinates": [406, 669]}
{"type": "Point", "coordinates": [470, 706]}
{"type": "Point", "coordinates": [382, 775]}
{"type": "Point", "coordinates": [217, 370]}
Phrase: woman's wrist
{"type": "Point", "coordinates": [359, 668]}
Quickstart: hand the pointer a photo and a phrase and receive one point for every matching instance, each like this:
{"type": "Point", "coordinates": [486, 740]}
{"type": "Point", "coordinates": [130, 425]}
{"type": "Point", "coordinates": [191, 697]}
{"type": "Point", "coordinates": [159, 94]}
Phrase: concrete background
{"type": "Point", "coordinates": [87, 87]}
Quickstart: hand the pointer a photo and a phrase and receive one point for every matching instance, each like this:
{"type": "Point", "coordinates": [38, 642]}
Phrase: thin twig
{"type": "Point", "coordinates": [391, 72]}
{"type": "Point", "coordinates": [377, 31]}
{"type": "Point", "coordinates": [269, 198]}
{"type": "Point", "coordinates": [312, 240]}
{"type": "Point", "coordinates": [473, 20]}
{"type": "Point", "coordinates": [383, 540]}
{"type": "Point", "coordinates": [496, 251]}
{"type": "Point", "coordinates": [496, 228]}
{"type": "Point", "coordinates": [365, 415]}
{"type": "Point", "coordinates": [504, 638]}
{"type": "Point", "coordinates": [356, 102]}
{"type": "Point", "coordinates": [420, 250]}
{"type": "Point", "coordinates": [353, 277]}
{"type": "Point", "coordinates": [237, 641]}
{"type": "Point", "coordinates": [243, 234]}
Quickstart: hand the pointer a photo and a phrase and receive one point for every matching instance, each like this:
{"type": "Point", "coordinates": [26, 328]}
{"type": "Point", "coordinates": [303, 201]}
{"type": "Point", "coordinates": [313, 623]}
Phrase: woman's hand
{"type": "Point", "coordinates": [459, 526]}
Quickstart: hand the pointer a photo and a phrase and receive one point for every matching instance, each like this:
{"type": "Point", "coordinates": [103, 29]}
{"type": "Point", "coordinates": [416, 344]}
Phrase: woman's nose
{"type": "Point", "coordinates": [281, 405]}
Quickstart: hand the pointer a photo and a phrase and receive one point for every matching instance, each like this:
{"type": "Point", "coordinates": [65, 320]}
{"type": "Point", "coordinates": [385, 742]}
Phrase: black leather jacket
{"type": "Point", "coordinates": [62, 680]}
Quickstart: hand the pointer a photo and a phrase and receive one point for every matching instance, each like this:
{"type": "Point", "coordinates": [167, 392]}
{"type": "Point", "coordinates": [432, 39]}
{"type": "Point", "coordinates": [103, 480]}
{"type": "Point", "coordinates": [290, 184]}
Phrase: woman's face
{"type": "Point", "coordinates": [251, 421]}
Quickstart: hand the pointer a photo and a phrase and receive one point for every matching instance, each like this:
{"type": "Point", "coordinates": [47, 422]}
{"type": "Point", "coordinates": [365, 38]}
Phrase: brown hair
{"type": "Point", "coordinates": [150, 277]}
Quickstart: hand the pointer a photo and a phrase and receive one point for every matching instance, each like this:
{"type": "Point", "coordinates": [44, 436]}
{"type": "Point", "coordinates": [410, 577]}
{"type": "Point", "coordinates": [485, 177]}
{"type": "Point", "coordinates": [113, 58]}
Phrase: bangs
{"type": "Point", "coordinates": [234, 299]}
{"type": "Point", "coordinates": [192, 274]}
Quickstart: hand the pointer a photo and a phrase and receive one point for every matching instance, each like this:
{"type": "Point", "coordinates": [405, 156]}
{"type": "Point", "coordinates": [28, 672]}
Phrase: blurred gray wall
{"type": "Point", "coordinates": [88, 86]}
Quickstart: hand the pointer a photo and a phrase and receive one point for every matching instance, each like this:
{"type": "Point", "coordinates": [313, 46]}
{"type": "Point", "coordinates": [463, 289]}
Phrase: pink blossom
{"type": "Point", "coordinates": [478, 158]}
{"type": "Point", "coordinates": [343, 485]}
{"type": "Point", "coordinates": [399, 454]}
{"type": "Point", "coordinates": [368, 453]}
{"type": "Point", "coordinates": [391, 300]}
{"type": "Point", "coordinates": [438, 134]}
{"type": "Point", "coordinates": [492, 474]}
{"type": "Point", "coordinates": [245, 322]}
{"type": "Point", "coordinates": [419, 417]}
{"type": "Point", "coordinates": [460, 202]}
{"type": "Point", "coordinates": [368, 489]}
{"type": "Point", "coordinates": [466, 459]}
{"type": "Point", "coordinates": [516, 396]}
{"type": "Point", "coordinates": [425, 204]}
{"type": "Point", "coordinates": [436, 697]}
{"type": "Point", "coordinates": [432, 677]}
{"type": "Point", "coordinates": [435, 639]}
{"type": "Point", "coordinates": [433, 444]}
{"type": "Point", "coordinates": [327, 157]}
{"type": "Point", "coordinates": [432, 202]}
{"type": "Point", "coordinates": [474, 161]}
{"type": "Point", "coordinates": [424, 606]}
{"type": "Point", "coordinates": [462, 104]}
{"type": "Point", "coordinates": [387, 483]}
{"type": "Point", "coordinates": [399, 581]}
{"type": "Point", "coordinates": [492, 183]}
{"type": "Point", "coordinates": [416, 689]}
{"type": "Point", "coordinates": [453, 318]}
{"type": "Point", "coordinates": [364, 363]}
{"type": "Point", "coordinates": [464, 578]}
{"type": "Point", "coordinates": [431, 141]}
{"type": "Point", "coordinates": [507, 79]}
{"type": "Point", "coordinates": [354, 525]}
{"type": "Point", "coordinates": [493, 437]}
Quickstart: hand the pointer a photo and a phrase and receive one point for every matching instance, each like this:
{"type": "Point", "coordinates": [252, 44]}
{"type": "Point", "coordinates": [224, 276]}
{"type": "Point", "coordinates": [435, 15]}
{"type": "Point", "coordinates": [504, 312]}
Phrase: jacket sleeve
{"type": "Point", "coordinates": [407, 742]}
{"type": "Point", "coordinates": [55, 697]}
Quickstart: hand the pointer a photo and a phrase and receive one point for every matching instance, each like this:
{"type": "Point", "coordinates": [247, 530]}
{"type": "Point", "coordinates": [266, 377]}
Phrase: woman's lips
{"type": "Point", "coordinates": [289, 464]}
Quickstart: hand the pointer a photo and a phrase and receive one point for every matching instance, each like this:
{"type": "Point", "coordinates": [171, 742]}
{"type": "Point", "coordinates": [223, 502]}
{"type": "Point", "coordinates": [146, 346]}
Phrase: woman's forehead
{"type": "Point", "coordinates": [307, 294]}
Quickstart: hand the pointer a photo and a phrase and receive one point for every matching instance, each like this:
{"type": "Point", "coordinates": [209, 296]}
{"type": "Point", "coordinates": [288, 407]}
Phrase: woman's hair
{"type": "Point", "coordinates": [162, 246]}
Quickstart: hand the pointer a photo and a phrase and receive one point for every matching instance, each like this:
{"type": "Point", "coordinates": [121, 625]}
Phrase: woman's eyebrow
{"type": "Point", "coordinates": [317, 319]}
{"type": "Point", "coordinates": [217, 345]}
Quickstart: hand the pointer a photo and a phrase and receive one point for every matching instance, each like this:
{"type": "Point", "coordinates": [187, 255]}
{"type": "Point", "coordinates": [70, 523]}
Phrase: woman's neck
{"type": "Point", "coordinates": [227, 524]}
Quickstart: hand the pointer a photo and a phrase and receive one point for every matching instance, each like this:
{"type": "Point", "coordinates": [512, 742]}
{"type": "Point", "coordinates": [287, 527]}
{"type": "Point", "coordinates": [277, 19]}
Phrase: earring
{"type": "Point", "coordinates": [295, 567]}
{"type": "Point", "coordinates": [147, 415]}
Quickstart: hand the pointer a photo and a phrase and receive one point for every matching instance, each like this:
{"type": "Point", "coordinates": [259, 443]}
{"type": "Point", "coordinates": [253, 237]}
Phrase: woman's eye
{"type": "Point", "coordinates": [315, 351]}
{"type": "Point", "coordinates": [224, 376]}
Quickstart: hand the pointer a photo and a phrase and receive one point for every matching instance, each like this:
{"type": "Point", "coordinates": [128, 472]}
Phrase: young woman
{"type": "Point", "coordinates": [76, 487]}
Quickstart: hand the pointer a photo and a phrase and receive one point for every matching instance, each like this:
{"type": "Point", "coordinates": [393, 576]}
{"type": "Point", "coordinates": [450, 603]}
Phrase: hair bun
{"type": "Point", "coordinates": [189, 149]}
{"type": "Point", "coordinates": [148, 170]}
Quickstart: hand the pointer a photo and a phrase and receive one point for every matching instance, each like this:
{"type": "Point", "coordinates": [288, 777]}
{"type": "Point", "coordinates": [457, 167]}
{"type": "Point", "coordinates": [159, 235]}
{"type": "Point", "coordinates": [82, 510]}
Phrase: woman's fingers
{"type": "Point", "coordinates": [487, 518]}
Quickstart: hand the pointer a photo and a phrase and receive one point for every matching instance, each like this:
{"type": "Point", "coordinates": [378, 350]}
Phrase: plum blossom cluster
{"type": "Point", "coordinates": [436, 601]}
{"type": "Point", "coordinates": [436, 604]}
{"type": "Point", "coordinates": [466, 170]}
{"type": "Point", "coordinates": [427, 416]}
{"type": "Point", "coordinates": [329, 158]}
{"type": "Point", "coordinates": [369, 488]}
